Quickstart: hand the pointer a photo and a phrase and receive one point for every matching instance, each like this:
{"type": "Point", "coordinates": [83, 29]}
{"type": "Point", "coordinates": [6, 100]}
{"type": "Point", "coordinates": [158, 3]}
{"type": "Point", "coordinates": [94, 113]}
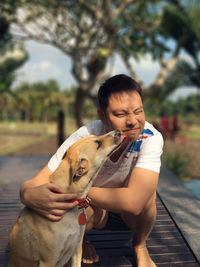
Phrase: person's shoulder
{"type": "Point", "coordinates": [96, 127]}
{"type": "Point", "coordinates": [151, 140]}
{"type": "Point", "coordinates": [151, 133]}
{"type": "Point", "coordinates": [150, 130]}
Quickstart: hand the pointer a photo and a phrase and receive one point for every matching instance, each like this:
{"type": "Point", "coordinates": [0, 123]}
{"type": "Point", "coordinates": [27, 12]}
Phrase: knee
{"type": "Point", "coordinates": [90, 213]}
{"type": "Point", "coordinates": [96, 218]}
{"type": "Point", "coordinates": [140, 210]}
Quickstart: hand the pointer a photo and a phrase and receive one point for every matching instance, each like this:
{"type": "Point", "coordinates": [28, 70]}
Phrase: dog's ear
{"type": "Point", "coordinates": [64, 155]}
{"type": "Point", "coordinates": [82, 169]}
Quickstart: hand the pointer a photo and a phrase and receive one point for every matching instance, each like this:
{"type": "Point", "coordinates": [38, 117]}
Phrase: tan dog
{"type": "Point", "coordinates": [37, 241]}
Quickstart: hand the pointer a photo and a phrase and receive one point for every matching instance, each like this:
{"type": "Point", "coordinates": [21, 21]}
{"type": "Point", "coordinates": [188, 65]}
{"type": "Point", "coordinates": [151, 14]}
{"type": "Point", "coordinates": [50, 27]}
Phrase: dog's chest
{"type": "Point", "coordinates": [70, 235]}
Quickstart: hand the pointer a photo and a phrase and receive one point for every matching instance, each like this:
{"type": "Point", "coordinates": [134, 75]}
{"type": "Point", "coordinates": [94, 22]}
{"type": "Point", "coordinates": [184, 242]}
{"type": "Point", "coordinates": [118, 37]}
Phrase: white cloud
{"type": "Point", "coordinates": [45, 62]}
{"type": "Point", "coordinates": [146, 68]}
{"type": "Point", "coordinates": [45, 65]}
{"type": "Point", "coordinates": [38, 51]}
{"type": "Point", "coordinates": [41, 71]}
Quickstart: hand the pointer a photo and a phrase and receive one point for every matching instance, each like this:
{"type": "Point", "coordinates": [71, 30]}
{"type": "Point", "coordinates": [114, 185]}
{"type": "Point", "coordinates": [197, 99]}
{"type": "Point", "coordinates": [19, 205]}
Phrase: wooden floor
{"type": "Point", "coordinates": [166, 245]}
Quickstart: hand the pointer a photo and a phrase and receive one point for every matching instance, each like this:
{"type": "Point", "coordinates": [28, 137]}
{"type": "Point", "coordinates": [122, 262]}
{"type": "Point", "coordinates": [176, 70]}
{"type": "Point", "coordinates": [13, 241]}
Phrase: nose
{"type": "Point", "coordinates": [131, 120]}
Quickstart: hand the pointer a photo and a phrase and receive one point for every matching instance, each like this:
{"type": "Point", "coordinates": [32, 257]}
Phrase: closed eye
{"type": "Point", "coordinates": [99, 143]}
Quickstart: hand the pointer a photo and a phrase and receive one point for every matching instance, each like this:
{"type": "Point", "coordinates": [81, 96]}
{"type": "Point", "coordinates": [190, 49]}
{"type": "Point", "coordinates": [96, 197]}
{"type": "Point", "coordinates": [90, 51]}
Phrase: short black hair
{"type": "Point", "coordinates": [116, 84]}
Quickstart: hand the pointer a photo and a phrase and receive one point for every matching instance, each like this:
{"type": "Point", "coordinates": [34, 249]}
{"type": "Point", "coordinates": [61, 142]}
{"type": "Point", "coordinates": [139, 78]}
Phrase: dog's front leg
{"type": "Point", "coordinates": [77, 257]}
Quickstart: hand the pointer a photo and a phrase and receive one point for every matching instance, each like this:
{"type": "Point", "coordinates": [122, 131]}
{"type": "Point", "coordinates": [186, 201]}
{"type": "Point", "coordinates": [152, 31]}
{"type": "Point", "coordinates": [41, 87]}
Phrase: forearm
{"type": "Point", "coordinates": [41, 178]}
{"type": "Point", "coordinates": [115, 199]}
{"type": "Point", "coordinates": [24, 187]}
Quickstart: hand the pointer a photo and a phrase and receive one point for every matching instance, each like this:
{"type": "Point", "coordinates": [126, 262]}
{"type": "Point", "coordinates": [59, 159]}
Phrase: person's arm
{"type": "Point", "coordinates": [142, 185]}
{"type": "Point", "coordinates": [44, 197]}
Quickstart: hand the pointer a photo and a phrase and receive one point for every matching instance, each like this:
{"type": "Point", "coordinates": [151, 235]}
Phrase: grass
{"type": "Point", "coordinates": [12, 143]}
{"type": "Point", "coordinates": [15, 136]}
{"type": "Point", "coordinates": [182, 155]}
{"type": "Point", "coordinates": [27, 128]}
{"type": "Point", "coordinates": [36, 128]}
{"type": "Point", "coordinates": [193, 132]}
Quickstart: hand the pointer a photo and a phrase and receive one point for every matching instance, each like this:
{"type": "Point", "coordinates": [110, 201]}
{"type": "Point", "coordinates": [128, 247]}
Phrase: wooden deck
{"type": "Point", "coordinates": [166, 244]}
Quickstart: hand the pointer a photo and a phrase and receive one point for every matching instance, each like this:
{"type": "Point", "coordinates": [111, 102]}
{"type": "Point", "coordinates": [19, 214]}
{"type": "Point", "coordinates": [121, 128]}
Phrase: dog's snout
{"type": "Point", "coordinates": [117, 132]}
{"type": "Point", "coordinates": [117, 136]}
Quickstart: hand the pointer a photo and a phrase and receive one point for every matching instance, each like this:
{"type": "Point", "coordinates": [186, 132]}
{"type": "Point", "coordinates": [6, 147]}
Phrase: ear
{"type": "Point", "coordinates": [82, 169]}
{"type": "Point", "coordinates": [64, 155]}
{"type": "Point", "coordinates": [102, 116]}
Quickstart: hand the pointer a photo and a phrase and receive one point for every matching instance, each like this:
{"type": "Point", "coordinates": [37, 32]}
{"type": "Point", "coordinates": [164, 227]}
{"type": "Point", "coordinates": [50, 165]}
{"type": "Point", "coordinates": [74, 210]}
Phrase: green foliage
{"type": "Point", "coordinates": [186, 108]}
{"type": "Point", "coordinates": [41, 102]}
{"type": "Point", "coordinates": [177, 24]}
{"type": "Point", "coordinates": [178, 162]}
{"type": "Point", "coordinates": [90, 110]}
{"type": "Point", "coordinates": [183, 74]}
{"type": "Point", "coordinates": [180, 22]}
{"type": "Point", "coordinates": [9, 59]}
{"type": "Point", "coordinates": [33, 102]}
{"type": "Point", "coordinates": [190, 105]}
{"type": "Point", "coordinates": [9, 63]}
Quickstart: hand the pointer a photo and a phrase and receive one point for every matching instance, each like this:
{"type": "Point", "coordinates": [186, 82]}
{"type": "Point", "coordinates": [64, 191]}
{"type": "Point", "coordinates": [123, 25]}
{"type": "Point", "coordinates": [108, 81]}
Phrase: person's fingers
{"type": "Point", "coordinates": [57, 212]}
{"type": "Point", "coordinates": [64, 205]}
{"type": "Point", "coordinates": [64, 197]}
{"type": "Point", "coordinates": [54, 218]}
{"type": "Point", "coordinates": [55, 188]}
{"type": "Point", "coordinates": [54, 215]}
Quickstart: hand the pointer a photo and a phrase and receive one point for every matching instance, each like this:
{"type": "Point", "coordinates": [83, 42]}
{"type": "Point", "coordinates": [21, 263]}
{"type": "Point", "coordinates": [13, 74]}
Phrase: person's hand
{"type": "Point", "coordinates": [49, 200]}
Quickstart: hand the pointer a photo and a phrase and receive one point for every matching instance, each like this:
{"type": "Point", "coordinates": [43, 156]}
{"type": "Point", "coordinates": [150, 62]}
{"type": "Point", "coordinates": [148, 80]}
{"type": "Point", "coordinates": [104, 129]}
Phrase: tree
{"type": "Point", "coordinates": [39, 101]}
{"type": "Point", "coordinates": [90, 32]}
{"type": "Point", "coordinates": [9, 63]}
{"type": "Point", "coordinates": [11, 57]}
{"type": "Point", "coordinates": [181, 22]}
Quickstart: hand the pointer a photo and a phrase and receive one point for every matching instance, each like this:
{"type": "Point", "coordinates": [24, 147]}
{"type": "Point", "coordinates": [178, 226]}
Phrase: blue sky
{"type": "Point", "coordinates": [47, 62]}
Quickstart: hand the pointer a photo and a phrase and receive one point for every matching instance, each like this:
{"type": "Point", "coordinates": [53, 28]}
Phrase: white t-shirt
{"type": "Point", "coordinates": [144, 153]}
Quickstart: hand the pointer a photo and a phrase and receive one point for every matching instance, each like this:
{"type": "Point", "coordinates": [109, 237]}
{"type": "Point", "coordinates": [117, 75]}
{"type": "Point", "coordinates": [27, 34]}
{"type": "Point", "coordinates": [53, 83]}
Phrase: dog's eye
{"type": "Point", "coordinates": [99, 143]}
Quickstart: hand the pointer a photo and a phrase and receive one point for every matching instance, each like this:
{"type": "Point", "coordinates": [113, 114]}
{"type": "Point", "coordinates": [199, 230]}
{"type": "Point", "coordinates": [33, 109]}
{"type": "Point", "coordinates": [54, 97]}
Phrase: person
{"type": "Point", "coordinates": [125, 186]}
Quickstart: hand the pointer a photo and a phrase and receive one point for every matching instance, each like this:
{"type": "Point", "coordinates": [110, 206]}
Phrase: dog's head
{"type": "Point", "coordinates": [83, 160]}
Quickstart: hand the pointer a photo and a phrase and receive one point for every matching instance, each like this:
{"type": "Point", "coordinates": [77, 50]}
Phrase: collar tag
{"type": "Point", "coordinates": [82, 219]}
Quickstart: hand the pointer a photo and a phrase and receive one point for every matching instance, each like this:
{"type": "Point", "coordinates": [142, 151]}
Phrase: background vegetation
{"type": "Point", "coordinates": [91, 33]}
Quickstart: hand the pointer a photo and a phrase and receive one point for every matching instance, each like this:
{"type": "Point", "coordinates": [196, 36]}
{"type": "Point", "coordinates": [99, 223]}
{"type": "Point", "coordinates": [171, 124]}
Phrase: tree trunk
{"type": "Point", "coordinates": [80, 96]}
{"type": "Point", "coordinates": [61, 128]}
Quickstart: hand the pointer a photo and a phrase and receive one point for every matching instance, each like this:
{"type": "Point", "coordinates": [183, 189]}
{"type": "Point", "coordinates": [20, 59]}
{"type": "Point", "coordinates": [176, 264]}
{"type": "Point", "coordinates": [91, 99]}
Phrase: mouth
{"type": "Point", "coordinates": [123, 141]}
{"type": "Point", "coordinates": [131, 131]}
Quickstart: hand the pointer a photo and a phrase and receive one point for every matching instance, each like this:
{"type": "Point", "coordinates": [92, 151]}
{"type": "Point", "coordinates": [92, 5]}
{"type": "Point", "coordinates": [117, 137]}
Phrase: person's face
{"type": "Point", "coordinates": [125, 113]}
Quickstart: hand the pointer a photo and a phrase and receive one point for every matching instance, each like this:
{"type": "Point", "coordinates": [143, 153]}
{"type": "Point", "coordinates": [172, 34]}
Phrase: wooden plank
{"type": "Point", "coordinates": [166, 245]}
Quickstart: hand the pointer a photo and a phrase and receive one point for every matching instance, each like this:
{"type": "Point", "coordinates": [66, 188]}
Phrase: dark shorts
{"type": "Point", "coordinates": [115, 223]}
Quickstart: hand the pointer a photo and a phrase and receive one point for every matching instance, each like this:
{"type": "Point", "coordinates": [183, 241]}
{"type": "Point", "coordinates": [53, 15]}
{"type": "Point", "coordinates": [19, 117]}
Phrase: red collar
{"type": "Point", "coordinates": [82, 202]}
